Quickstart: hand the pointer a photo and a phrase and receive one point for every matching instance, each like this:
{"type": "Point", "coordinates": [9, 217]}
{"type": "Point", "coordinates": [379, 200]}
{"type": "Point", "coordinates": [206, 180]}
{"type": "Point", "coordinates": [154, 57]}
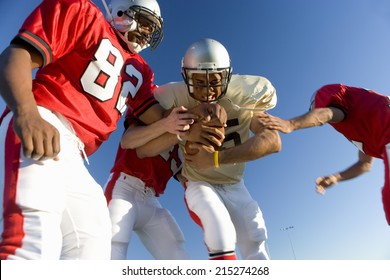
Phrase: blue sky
{"type": "Point", "coordinates": [299, 46]}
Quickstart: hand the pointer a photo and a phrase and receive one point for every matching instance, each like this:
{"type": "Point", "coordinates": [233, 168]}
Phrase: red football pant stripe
{"type": "Point", "coordinates": [13, 232]}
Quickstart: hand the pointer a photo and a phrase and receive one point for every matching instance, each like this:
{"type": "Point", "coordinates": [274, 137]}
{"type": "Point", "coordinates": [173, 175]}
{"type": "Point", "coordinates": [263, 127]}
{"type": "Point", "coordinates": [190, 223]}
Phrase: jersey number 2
{"type": "Point", "coordinates": [102, 74]}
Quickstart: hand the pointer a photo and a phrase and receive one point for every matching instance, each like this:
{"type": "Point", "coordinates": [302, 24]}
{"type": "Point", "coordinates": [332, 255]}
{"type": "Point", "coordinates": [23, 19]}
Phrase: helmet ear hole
{"type": "Point", "coordinates": [120, 13]}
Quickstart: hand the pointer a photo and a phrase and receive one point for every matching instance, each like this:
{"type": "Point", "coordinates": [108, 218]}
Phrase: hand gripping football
{"type": "Point", "coordinates": [211, 115]}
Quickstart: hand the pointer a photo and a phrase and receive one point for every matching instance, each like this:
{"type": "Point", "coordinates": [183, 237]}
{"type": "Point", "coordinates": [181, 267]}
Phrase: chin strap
{"type": "Point", "coordinates": [134, 47]}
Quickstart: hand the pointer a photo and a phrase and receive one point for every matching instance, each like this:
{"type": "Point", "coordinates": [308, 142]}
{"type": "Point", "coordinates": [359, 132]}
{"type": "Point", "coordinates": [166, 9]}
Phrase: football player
{"type": "Point", "coordinates": [215, 191]}
{"type": "Point", "coordinates": [52, 208]}
{"type": "Point", "coordinates": [132, 192]}
{"type": "Point", "coordinates": [135, 184]}
{"type": "Point", "coordinates": [362, 116]}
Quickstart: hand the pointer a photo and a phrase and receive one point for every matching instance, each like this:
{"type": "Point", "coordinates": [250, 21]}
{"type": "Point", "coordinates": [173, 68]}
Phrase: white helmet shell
{"type": "Point", "coordinates": [206, 54]}
{"type": "Point", "coordinates": [123, 15]}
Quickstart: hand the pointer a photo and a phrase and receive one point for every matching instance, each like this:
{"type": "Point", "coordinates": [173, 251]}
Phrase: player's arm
{"type": "Point", "coordinates": [263, 142]}
{"type": "Point", "coordinates": [200, 133]}
{"type": "Point", "coordinates": [157, 145]}
{"type": "Point", "coordinates": [315, 117]}
{"type": "Point", "coordinates": [40, 139]}
{"type": "Point", "coordinates": [363, 165]}
{"type": "Point", "coordinates": [159, 122]}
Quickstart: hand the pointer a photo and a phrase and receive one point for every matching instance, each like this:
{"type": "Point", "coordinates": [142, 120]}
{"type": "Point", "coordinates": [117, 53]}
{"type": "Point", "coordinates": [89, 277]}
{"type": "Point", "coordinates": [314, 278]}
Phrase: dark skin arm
{"type": "Point", "coordinates": [40, 140]}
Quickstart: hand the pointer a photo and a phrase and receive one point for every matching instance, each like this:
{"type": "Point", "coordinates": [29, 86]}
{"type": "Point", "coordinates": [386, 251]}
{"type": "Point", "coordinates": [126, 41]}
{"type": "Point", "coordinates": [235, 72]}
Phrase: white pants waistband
{"type": "Point", "coordinates": [136, 183]}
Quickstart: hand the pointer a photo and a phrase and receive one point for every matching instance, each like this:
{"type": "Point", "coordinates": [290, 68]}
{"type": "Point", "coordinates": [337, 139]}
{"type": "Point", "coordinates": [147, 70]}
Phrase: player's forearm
{"type": "Point", "coordinates": [136, 136]}
{"type": "Point", "coordinates": [317, 117]}
{"type": "Point", "coordinates": [258, 146]}
{"type": "Point", "coordinates": [16, 81]}
{"type": "Point", "coordinates": [354, 171]}
{"type": "Point", "coordinates": [157, 145]}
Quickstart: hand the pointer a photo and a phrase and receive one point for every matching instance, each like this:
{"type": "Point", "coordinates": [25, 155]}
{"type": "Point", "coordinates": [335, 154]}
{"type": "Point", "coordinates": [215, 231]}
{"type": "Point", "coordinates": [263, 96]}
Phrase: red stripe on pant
{"type": "Point", "coordinates": [110, 186]}
{"type": "Point", "coordinates": [13, 232]}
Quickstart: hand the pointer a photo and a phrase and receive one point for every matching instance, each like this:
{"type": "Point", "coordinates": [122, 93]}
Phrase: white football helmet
{"type": "Point", "coordinates": [206, 56]}
{"type": "Point", "coordinates": [142, 17]}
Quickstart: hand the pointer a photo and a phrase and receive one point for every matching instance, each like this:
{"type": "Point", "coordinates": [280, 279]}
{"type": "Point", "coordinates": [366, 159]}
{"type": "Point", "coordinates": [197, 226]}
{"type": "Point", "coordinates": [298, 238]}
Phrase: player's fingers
{"type": "Point", "coordinates": [28, 149]}
{"type": "Point", "coordinates": [38, 150]}
{"type": "Point", "coordinates": [51, 146]}
{"type": "Point", "coordinates": [320, 190]}
{"type": "Point", "coordinates": [209, 138]}
{"type": "Point", "coordinates": [325, 182]}
{"type": "Point", "coordinates": [183, 124]}
{"type": "Point", "coordinates": [207, 118]}
{"type": "Point", "coordinates": [213, 131]}
{"type": "Point", "coordinates": [328, 181]}
{"type": "Point", "coordinates": [319, 180]}
{"type": "Point", "coordinates": [183, 128]}
{"type": "Point", "coordinates": [188, 116]}
{"type": "Point", "coordinates": [47, 146]}
{"type": "Point", "coordinates": [180, 109]}
{"type": "Point", "coordinates": [269, 126]}
{"type": "Point", "coordinates": [56, 146]}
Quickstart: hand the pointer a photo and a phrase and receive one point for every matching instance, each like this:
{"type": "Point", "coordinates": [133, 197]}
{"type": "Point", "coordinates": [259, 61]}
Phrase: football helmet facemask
{"type": "Point", "coordinates": [206, 56]}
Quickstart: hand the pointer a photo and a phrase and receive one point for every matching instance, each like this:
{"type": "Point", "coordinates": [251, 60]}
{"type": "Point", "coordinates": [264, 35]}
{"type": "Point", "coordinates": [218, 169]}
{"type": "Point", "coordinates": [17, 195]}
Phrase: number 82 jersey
{"type": "Point", "coordinates": [87, 76]}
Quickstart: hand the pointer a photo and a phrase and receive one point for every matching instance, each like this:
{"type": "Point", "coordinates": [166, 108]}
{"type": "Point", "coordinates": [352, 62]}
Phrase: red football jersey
{"type": "Point", "coordinates": [156, 171]}
{"type": "Point", "coordinates": [87, 76]}
{"type": "Point", "coordinates": [367, 116]}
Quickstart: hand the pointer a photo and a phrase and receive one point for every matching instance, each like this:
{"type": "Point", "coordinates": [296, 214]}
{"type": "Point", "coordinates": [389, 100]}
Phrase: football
{"type": "Point", "coordinates": [217, 121]}
{"type": "Point", "coordinates": [194, 151]}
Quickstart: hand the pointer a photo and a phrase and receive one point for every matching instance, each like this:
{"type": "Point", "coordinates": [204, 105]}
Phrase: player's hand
{"type": "Point", "coordinates": [179, 120]}
{"type": "Point", "coordinates": [202, 159]}
{"type": "Point", "coordinates": [40, 140]}
{"type": "Point", "coordinates": [274, 123]}
{"type": "Point", "coordinates": [324, 182]}
{"type": "Point", "coordinates": [209, 128]}
{"type": "Point", "coordinates": [202, 133]}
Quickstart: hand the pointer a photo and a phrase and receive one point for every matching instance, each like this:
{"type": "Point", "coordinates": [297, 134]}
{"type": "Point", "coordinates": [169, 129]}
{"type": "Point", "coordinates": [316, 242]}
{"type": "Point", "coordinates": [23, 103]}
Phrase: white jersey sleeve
{"type": "Point", "coordinates": [253, 92]}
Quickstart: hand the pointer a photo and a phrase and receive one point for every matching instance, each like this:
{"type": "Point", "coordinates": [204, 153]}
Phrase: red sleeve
{"type": "Point", "coordinates": [55, 27]}
{"type": "Point", "coordinates": [331, 96]}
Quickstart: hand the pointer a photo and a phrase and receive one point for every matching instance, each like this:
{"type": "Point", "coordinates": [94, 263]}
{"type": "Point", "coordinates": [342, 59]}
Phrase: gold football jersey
{"type": "Point", "coordinates": [245, 95]}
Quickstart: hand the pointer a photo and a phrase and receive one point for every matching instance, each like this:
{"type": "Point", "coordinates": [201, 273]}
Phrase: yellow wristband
{"type": "Point", "coordinates": [216, 160]}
